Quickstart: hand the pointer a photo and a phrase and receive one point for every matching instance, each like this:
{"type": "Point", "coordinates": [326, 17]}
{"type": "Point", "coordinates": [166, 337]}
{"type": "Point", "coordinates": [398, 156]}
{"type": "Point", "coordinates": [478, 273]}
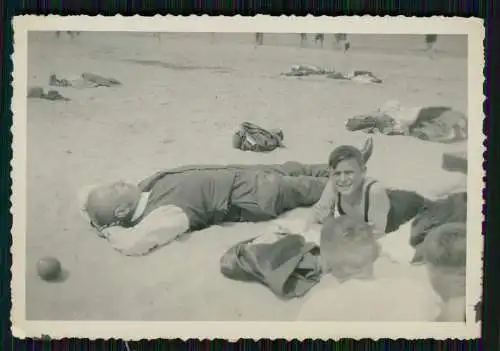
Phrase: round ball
{"type": "Point", "coordinates": [49, 268]}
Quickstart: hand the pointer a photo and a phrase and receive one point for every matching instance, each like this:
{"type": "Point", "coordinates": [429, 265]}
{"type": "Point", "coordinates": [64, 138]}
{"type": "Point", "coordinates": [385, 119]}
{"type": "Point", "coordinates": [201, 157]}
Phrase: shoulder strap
{"type": "Point", "coordinates": [339, 206]}
{"type": "Point", "coordinates": [367, 199]}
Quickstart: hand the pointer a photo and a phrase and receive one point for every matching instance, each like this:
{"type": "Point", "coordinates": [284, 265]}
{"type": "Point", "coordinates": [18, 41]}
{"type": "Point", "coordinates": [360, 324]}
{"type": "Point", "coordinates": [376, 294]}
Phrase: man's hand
{"type": "Point", "coordinates": [288, 226]}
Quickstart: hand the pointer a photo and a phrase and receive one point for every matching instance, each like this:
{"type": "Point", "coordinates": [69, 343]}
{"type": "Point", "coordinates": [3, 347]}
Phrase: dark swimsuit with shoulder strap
{"type": "Point", "coordinates": [367, 201]}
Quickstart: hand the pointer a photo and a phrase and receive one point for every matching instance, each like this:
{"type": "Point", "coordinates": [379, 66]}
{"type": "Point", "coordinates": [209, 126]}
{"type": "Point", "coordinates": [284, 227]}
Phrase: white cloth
{"type": "Point", "coordinates": [158, 228]}
{"type": "Point", "coordinates": [396, 245]}
{"type": "Point", "coordinates": [391, 296]}
{"type": "Point", "coordinates": [405, 116]}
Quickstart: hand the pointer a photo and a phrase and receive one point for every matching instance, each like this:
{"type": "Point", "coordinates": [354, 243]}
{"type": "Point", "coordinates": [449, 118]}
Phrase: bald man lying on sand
{"type": "Point", "coordinates": [361, 284]}
{"type": "Point", "coordinates": [139, 218]}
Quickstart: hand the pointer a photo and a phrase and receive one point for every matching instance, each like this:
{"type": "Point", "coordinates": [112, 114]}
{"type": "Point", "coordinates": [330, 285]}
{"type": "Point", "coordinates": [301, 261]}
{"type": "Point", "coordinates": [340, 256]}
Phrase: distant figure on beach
{"type": "Point", "coordinates": [445, 251]}
{"type": "Point", "coordinates": [259, 38]}
{"type": "Point", "coordinates": [303, 39]}
{"type": "Point", "coordinates": [71, 34]}
{"type": "Point", "coordinates": [157, 35]}
{"type": "Point", "coordinates": [139, 218]}
{"type": "Point", "coordinates": [342, 41]}
{"type": "Point", "coordinates": [320, 37]}
{"type": "Point", "coordinates": [430, 41]}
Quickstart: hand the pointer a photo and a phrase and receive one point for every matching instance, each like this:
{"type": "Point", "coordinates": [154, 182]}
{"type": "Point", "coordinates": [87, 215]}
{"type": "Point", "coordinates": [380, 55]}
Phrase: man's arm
{"type": "Point", "coordinates": [379, 208]}
{"type": "Point", "coordinates": [159, 228]}
{"type": "Point", "coordinates": [322, 209]}
{"type": "Point", "coordinates": [316, 215]}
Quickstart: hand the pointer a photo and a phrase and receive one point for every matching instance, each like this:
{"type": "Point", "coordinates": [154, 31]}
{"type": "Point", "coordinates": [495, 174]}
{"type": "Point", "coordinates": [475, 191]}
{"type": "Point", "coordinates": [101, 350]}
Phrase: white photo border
{"type": "Point", "coordinates": [472, 27]}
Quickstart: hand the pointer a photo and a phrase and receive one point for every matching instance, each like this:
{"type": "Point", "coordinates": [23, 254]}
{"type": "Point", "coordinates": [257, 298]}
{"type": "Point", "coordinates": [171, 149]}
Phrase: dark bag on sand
{"type": "Point", "coordinates": [288, 266]}
{"type": "Point", "coordinates": [251, 137]}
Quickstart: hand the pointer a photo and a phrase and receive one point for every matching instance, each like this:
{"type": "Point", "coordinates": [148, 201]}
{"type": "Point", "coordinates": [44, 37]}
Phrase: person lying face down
{"type": "Point", "coordinates": [360, 284]}
{"type": "Point", "coordinates": [445, 250]}
{"type": "Point", "coordinates": [139, 218]}
{"type": "Point", "coordinates": [113, 203]}
{"type": "Point", "coordinates": [351, 192]}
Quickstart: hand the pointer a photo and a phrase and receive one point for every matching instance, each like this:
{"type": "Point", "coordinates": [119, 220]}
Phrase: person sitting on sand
{"type": "Point", "coordinates": [139, 218]}
{"type": "Point", "coordinates": [350, 191]}
{"type": "Point", "coordinates": [445, 250]}
{"type": "Point", "coordinates": [360, 283]}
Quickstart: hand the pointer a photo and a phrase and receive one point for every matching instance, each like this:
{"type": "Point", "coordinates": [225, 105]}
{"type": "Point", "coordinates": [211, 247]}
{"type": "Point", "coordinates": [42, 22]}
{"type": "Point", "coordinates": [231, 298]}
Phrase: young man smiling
{"type": "Point", "coordinates": [350, 191]}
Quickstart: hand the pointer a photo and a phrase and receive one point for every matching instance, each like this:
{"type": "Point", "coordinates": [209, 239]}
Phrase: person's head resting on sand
{"type": "Point", "coordinates": [348, 169]}
{"type": "Point", "coordinates": [445, 250]}
{"type": "Point", "coordinates": [348, 248]}
{"type": "Point", "coordinates": [445, 255]}
{"type": "Point", "coordinates": [112, 203]}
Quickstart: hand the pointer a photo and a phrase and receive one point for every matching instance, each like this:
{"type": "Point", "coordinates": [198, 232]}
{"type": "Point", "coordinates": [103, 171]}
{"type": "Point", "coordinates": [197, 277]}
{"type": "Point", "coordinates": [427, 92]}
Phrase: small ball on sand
{"type": "Point", "coordinates": [49, 268]}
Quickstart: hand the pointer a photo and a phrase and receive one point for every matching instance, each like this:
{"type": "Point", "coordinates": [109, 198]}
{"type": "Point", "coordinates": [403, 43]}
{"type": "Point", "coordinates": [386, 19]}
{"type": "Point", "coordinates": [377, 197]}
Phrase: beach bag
{"type": "Point", "coordinates": [251, 137]}
{"type": "Point", "coordinates": [285, 263]}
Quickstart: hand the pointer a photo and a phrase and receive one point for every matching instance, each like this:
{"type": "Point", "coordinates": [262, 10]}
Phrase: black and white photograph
{"type": "Point", "coordinates": [223, 177]}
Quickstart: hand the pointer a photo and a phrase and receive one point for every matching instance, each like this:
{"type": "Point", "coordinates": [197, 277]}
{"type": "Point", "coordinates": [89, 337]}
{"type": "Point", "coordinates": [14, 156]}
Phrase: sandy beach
{"type": "Point", "coordinates": [179, 103]}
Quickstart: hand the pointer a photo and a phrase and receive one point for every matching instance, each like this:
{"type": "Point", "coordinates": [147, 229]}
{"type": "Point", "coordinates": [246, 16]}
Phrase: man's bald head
{"type": "Point", "coordinates": [110, 203]}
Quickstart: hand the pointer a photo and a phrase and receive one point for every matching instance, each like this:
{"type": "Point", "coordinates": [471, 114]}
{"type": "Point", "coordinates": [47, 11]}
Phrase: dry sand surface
{"type": "Point", "coordinates": [182, 108]}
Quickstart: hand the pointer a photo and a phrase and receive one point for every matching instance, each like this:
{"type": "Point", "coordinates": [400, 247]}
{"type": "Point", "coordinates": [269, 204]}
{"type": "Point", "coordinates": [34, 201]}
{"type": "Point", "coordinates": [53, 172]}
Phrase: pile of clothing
{"type": "Point", "coordinates": [37, 92]}
{"type": "Point", "coordinates": [361, 76]}
{"type": "Point", "coordinates": [285, 263]}
{"type": "Point", "coordinates": [433, 123]}
{"type": "Point", "coordinates": [85, 80]}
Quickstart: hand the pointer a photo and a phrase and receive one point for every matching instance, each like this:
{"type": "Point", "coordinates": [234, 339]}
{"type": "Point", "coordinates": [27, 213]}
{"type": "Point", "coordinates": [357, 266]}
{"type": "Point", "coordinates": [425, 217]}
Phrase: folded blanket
{"type": "Point", "coordinates": [285, 263]}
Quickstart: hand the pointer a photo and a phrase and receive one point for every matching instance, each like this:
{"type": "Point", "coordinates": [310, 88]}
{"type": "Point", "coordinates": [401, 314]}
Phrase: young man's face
{"type": "Point", "coordinates": [348, 176]}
